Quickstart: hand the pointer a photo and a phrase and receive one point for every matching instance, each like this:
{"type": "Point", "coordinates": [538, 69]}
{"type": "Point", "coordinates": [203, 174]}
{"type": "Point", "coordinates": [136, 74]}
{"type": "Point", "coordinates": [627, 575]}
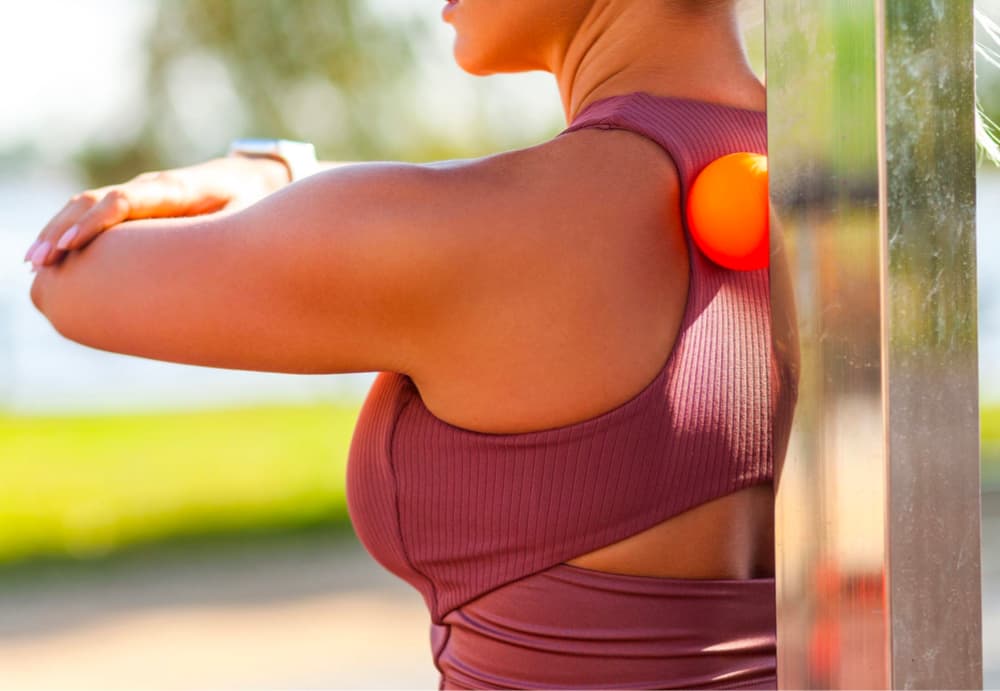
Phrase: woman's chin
{"type": "Point", "coordinates": [481, 64]}
{"type": "Point", "coordinates": [471, 62]}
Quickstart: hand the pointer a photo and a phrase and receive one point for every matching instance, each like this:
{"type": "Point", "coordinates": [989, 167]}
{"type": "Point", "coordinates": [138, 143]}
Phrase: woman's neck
{"type": "Point", "coordinates": [622, 47]}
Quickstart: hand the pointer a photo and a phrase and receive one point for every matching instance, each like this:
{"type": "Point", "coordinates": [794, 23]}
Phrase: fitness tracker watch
{"type": "Point", "coordinates": [298, 157]}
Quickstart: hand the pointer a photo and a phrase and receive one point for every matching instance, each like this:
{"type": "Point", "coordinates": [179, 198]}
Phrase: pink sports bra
{"type": "Point", "coordinates": [459, 513]}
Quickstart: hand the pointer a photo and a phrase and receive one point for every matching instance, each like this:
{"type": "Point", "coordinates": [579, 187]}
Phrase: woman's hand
{"type": "Point", "coordinates": [216, 185]}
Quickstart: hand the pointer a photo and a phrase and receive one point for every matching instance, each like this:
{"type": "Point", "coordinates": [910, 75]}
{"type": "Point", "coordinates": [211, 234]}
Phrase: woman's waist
{"type": "Point", "coordinates": [580, 628]}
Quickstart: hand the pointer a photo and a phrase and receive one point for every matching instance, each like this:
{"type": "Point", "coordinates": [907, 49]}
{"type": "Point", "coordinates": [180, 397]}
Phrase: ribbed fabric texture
{"type": "Point", "coordinates": [458, 513]}
{"type": "Point", "coordinates": [573, 628]}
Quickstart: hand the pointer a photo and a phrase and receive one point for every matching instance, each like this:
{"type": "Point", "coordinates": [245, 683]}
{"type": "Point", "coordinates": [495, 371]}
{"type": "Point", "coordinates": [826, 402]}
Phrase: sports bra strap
{"type": "Point", "coordinates": [693, 133]}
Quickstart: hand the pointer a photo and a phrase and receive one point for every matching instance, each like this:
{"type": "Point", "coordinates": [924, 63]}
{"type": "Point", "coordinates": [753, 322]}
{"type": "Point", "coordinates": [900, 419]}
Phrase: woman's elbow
{"type": "Point", "coordinates": [43, 299]}
{"type": "Point", "coordinates": [38, 290]}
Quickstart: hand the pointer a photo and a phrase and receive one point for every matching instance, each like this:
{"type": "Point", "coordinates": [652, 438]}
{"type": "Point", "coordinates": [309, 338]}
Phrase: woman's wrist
{"type": "Point", "coordinates": [233, 177]}
{"type": "Point", "coordinates": [271, 173]}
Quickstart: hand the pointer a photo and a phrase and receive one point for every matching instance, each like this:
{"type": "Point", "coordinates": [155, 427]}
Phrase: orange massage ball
{"type": "Point", "coordinates": [727, 211]}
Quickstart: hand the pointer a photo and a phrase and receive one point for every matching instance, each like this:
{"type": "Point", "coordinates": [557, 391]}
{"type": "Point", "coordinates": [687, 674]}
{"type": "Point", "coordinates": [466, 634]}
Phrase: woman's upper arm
{"type": "Point", "coordinates": [353, 269]}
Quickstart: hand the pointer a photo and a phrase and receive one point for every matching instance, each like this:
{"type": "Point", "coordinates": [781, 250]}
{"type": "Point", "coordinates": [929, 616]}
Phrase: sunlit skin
{"type": "Point", "coordinates": [520, 291]}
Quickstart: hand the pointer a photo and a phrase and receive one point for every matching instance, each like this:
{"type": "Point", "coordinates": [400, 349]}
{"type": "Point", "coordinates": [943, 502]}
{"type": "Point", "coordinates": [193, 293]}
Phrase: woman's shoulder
{"type": "Point", "coordinates": [574, 184]}
{"type": "Point", "coordinates": [576, 253]}
{"type": "Point", "coordinates": [594, 156]}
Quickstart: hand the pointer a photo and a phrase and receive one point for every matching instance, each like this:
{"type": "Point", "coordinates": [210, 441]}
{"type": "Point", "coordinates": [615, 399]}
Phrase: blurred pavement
{"type": "Point", "coordinates": [296, 612]}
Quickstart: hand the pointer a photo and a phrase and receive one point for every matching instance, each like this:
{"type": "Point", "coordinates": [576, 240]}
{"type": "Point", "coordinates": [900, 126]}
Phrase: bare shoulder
{"type": "Point", "coordinates": [571, 245]}
{"type": "Point", "coordinates": [614, 162]}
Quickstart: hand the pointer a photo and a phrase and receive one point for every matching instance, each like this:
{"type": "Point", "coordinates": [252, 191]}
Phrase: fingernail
{"type": "Point", "coordinates": [68, 237]}
{"type": "Point", "coordinates": [31, 249]}
{"type": "Point", "coordinates": [41, 252]}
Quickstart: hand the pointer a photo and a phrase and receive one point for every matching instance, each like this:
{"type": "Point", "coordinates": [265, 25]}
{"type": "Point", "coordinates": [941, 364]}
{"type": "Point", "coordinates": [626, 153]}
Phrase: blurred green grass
{"type": "Point", "coordinates": [989, 424]}
{"type": "Point", "coordinates": [87, 485]}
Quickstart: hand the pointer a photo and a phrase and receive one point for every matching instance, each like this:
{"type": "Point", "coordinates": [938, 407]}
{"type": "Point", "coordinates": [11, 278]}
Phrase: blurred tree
{"type": "Point", "coordinates": [332, 72]}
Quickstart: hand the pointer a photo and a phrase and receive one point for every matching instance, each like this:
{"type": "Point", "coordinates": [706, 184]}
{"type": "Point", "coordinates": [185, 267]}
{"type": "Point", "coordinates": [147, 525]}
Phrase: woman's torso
{"type": "Point", "coordinates": [605, 347]}
{"type": "Point", "coordinates": [599, 442]}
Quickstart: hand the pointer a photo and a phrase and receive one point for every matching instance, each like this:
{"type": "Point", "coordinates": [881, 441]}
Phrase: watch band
{"type": "Point", "coordinates": [298, 157]}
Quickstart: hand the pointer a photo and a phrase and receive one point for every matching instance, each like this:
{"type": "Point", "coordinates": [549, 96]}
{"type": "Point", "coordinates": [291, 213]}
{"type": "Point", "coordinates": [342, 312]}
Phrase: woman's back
{"type": "Point", "coordinates": [665, 485]}
{"type": "Point", "coordinates": [586, 321]}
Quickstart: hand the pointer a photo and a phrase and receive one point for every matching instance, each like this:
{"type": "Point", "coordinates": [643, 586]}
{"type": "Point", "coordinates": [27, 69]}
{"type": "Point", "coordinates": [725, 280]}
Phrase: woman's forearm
{"type": "Point", "coordinates": [347, 271]}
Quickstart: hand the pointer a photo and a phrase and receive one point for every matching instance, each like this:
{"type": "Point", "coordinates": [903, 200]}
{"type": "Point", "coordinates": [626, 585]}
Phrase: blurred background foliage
{"type": "Point", "coordinates": [348, 79]}
{"type": "Point", "coordinates": [83, 486]}
{"type": "Point", "coordinates": [337, 74]}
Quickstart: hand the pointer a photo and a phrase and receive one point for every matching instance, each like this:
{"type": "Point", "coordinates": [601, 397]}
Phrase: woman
{"type": "Point", "coordinates": [568, 450]}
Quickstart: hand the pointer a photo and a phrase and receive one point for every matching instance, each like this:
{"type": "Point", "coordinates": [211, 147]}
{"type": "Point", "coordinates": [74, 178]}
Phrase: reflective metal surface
{"type": "Point", "coordinates": [930, 320]}
{"type": "Point", "coordinates": [872, 167]}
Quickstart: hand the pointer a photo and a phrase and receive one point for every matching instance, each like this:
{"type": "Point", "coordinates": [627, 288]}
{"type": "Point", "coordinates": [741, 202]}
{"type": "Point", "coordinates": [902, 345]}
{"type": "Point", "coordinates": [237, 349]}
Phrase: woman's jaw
{"type": "Point", "coordinates": [598, 48]}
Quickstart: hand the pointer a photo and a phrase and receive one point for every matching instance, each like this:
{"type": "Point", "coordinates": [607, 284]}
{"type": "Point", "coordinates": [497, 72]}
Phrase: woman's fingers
{"type": "Point", "coordinates": [78, 205]}
{"type": "Point", "coordinates": [199, 189]}
{"type": "Point", "coordinates": [113, 208]}
{"type": "Point", "coordinates": [89, 213]}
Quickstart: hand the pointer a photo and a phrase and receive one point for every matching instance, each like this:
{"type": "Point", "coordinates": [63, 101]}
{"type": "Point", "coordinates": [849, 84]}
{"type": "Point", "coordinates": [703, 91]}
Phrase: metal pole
{"type": "Point", "coordinates": [872, 166]}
